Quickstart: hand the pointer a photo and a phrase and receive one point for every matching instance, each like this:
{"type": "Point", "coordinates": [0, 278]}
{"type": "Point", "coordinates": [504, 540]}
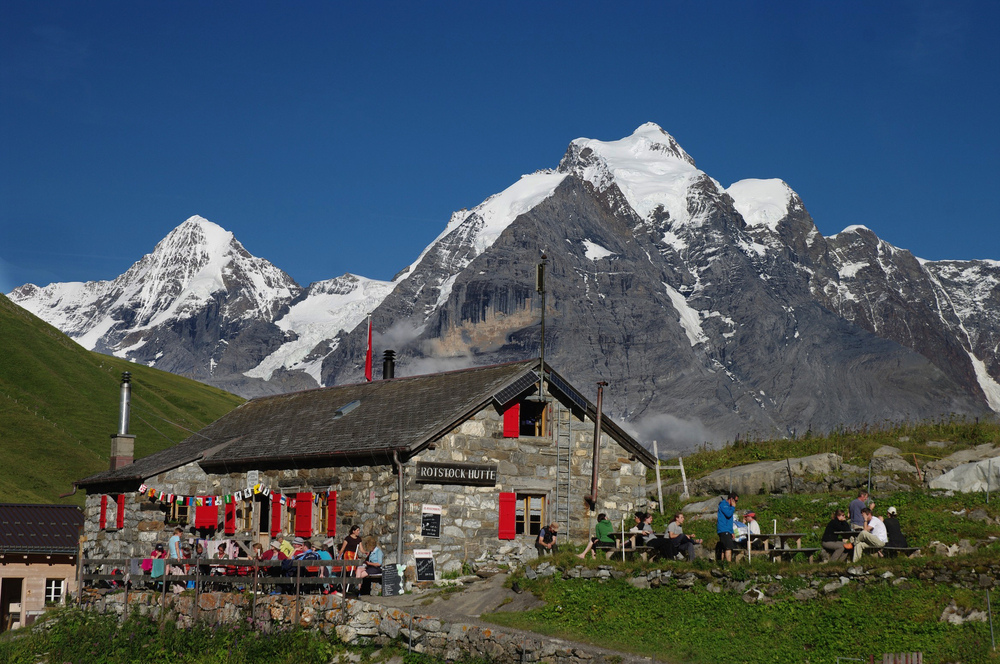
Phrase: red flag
{"type": "Point", "coordinates": [368, 355]}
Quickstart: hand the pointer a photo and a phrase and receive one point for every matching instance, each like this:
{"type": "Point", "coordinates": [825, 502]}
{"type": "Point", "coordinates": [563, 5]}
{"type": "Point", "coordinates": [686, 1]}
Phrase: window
{"type": "Point", "coordinates": [525, 418]}
{"type": "Point", "coordinates": [529, 512]}
{"type": "Point", "coordinates": [177, 512]}
{"type": "Point", "coordinates": [54, 590]}
{"type": "Point", "coordinates": [323, 514]}
{"type": "Point", "coordinates": [244, 515]}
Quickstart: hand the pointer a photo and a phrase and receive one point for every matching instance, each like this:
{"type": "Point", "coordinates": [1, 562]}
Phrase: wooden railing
{"type": "Point", "coordinates": [287, 576]}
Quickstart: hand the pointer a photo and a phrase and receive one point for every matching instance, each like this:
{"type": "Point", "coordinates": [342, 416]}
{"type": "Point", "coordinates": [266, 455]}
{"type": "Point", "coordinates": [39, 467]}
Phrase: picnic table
{"type": "Point", "coordinates": [783, 540]}
{"type": "Point", "coordinates": [621, 540]}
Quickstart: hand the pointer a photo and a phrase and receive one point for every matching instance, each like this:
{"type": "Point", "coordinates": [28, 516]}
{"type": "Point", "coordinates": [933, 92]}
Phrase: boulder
{"type": "Point", "coordinates": [969, 477]}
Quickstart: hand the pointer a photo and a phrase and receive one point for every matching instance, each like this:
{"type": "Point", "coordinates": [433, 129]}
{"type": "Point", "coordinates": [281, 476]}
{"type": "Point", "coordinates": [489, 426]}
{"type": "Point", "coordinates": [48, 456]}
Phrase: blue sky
{"type": "Point", "coordinates": [339, 137]}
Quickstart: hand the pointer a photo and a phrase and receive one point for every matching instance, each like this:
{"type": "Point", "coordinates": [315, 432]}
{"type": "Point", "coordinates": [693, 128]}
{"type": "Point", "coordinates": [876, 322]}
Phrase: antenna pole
{"type": "Point", "coordinates": [540, 287]}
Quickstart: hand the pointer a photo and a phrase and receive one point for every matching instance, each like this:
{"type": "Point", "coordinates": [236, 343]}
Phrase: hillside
{"type": "Point", "coordinates": [59, 407]}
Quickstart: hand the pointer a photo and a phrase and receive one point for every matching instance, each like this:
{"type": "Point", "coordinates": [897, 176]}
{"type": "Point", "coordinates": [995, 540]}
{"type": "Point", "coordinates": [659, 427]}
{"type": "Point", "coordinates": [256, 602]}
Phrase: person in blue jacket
{"type": "Point", "coordinates": [724, 525]}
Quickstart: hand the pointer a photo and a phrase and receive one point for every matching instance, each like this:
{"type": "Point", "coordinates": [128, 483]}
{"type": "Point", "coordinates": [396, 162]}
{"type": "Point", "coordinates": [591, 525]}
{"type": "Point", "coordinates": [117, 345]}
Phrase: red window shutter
{"type": "Point", "coordinates": [120, 518]}
{"type": "Point", "coordinates": [230, 520]}
{"type": "Point", "coordinates": [103, 518]}
{"type": "Point", "coordinates": [303, 515]}
{"type": "Point", "coordinates": [508, 508]}
{"type": "Point", "coordinates": [512, 421]}
{"type": "Point", "coordinates": [206, 516]}
{"type": "Point", "coordinates": [331, 514]}
{"type": "Point", "coordinates": [275, 514]}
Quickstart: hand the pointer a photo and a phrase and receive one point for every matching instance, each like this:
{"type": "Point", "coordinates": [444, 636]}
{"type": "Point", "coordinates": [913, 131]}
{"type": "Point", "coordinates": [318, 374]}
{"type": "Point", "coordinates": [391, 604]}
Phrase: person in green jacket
{"type": "Point", "coordinates": [602, 535]}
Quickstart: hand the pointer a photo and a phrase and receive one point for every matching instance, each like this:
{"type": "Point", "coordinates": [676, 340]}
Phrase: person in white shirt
{"type": "Point", "coordinates": [873, 536]}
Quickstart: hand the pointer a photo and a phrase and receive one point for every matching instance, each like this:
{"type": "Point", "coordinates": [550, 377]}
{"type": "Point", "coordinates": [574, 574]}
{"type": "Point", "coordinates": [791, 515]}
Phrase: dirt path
{"type": "Point", "coordinates": [486, 596]}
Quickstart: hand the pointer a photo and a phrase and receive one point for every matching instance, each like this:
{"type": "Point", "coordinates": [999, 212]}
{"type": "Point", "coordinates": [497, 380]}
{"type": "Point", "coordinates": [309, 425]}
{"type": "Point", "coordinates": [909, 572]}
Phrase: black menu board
{"type": "Point", "coordinates": [425, 565]}
{"type": "Point", "coordinates": [392, 583]}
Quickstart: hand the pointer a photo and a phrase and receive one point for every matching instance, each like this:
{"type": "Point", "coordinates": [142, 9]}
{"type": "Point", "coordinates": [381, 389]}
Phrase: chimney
{"type": "Point", "coordinates": [123, 444]}
{"type": "Point", "coordinates": [388, 364]}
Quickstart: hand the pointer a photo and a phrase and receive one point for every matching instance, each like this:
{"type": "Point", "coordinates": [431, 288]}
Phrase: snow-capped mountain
{"type": "Point", "coordinates": [711, 311]}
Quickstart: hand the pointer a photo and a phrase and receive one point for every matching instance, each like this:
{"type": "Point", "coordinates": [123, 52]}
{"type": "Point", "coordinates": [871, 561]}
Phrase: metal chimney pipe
{"type": "Point", "coordinates": [388, 364]}
{"type": "Point", "coordinates": [592, 498]}
{"type": "Point", "coordinates": [125, 404]}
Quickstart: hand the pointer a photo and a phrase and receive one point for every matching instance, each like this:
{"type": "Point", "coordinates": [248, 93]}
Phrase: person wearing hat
{"type": "Point", "coordinates": [546, 541]}
{"type": "Point", "coordinates": [753, 528]}
{"type": "Point", "coordinates": [895, 533]}
{"type": "Point", "coordinates": [274, 552]}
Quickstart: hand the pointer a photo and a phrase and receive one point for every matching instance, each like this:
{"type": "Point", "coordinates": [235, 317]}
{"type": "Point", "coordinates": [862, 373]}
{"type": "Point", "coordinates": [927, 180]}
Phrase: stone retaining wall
{"type": "Point", "coordinates": [357, 622]}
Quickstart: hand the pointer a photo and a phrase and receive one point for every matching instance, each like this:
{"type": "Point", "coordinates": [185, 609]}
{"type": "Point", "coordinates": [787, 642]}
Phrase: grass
{"type": "Point", "coordinates": [854, 445]}
{"type": "Point", "coordinates": [859, 620]}
{"type": "Point", "coordinates": [59, 407]}
{"type": "Point", "coordinates": [74, 636]}
{"type": "Point", "coordinates": [700, 626]}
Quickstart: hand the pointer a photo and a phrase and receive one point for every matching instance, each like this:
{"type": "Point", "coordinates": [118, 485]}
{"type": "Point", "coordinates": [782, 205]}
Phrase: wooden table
{"type": "Point", "coordinates": [783, 539]}
{"type": "Point", "coordinates": [621, 538]}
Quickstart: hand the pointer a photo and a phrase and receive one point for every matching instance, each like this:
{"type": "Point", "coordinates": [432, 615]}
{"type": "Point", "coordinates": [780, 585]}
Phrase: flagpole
{"type": "Point", "coordinates": [368, 355]}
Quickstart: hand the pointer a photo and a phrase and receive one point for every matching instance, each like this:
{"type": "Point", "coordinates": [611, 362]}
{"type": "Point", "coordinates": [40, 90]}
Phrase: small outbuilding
{"type": "Point", "coordinates": [39, 546]}
{"type": "Point", "coordinates": [452, 466]}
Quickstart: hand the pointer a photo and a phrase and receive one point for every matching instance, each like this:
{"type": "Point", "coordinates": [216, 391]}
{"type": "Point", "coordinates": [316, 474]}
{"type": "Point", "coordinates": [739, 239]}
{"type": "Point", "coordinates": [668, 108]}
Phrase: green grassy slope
{"type": "Point", "coordinates": [59, 408]}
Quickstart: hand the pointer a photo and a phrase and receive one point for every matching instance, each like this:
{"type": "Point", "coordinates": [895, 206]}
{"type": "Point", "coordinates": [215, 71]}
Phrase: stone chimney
{"type": "Point", "coordinates": [123, 444]}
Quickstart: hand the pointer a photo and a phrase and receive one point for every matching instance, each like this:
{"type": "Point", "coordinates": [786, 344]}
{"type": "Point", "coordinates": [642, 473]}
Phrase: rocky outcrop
{"type": "Point", "coordinates": [971, 477]}
{"type": "Point", "coordinates": [766, 476]}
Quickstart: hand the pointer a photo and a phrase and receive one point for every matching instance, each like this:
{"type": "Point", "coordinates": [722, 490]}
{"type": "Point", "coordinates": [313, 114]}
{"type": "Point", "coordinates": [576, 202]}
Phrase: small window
{"type": "Point", "coordinates": [322, 517]}
{"type": "Point", "coordinates": [532, 418]}
{"type": "Point", "coordinates": [244, 516]}
{"type": "Point", "coordinates": [525, 418]}
{"type": "Point", "coordinates": [55, 589]}
{"type": "Point", "coordinates": [177, 513]}
{"type": "Point", "coordinates": [529, 514]}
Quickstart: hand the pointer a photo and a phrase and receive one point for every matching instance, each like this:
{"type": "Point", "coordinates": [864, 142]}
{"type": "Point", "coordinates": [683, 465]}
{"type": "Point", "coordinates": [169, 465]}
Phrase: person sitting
{"type": "Point", "coordinates": [372, 566]}
{"type": "Point", "coordinates": [677, 540]}
{"type": "Point", "coordinates": [602, 536]}
{"type": "Point", "coordinates": [753, 528]}
{"type": "Point", "coordinates": [873, 536]}
{"type": "Point", "coordinates": [895, 534]}
{"type": "Point", "coordinates": [642, 529]}
{"type": "Point", "coordinates": [220, 570]}
{"type": "Point", "coordinates": [546, 542]}
{"type": "Point", "coordinates": [836, 535]}
{"type": "Point", "coordinates": [274, 552]}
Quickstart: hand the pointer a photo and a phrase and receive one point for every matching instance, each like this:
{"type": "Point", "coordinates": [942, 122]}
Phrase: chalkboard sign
{"type": "Point", "coordinates": [392, 582]}
{"type": "Point", "coordinates": [430, 521]}
{"type": "Point", "coordinates": [425, 565]}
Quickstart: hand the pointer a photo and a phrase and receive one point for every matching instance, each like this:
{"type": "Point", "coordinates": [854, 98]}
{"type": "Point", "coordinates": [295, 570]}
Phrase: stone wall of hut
{"type": "Point", "coordinates": [367, 495]}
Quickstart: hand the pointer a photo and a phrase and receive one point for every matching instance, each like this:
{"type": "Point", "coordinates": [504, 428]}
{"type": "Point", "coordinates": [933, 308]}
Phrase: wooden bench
{"type": "Point", "coordinates": [808, 552]}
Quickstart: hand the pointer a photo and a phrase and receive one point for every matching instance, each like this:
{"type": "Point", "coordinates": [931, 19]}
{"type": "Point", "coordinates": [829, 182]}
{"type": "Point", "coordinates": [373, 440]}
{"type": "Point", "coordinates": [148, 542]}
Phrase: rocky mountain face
{"type": "Point", "coordinates": [711, 312]}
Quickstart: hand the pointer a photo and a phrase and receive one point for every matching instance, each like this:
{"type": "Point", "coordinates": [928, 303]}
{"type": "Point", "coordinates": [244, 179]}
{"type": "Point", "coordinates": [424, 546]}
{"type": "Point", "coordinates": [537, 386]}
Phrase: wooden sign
{"type": "Point", "coordinates": [430, 521]}
{"type": "Point", "coordinates": [425, 564]}
{"type": "Point", "coordinates": [471, 474]}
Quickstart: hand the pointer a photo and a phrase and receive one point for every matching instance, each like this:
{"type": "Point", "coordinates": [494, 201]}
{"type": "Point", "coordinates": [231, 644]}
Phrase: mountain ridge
{"type": "Point", "coordinates": [726, 305]}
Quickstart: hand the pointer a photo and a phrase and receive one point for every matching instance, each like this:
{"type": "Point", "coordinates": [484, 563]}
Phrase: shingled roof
{"type": "Point", "coordinates": [43, 529]}
{"type": "Point", "coordinates": [361, 421]}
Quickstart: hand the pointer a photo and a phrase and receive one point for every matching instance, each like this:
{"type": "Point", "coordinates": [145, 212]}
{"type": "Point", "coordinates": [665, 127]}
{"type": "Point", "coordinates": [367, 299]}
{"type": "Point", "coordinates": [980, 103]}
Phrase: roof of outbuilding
{"type": "Point", "coordinates": [45, 529]}
{"type": "Point", "coordinates": [401, 414]}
